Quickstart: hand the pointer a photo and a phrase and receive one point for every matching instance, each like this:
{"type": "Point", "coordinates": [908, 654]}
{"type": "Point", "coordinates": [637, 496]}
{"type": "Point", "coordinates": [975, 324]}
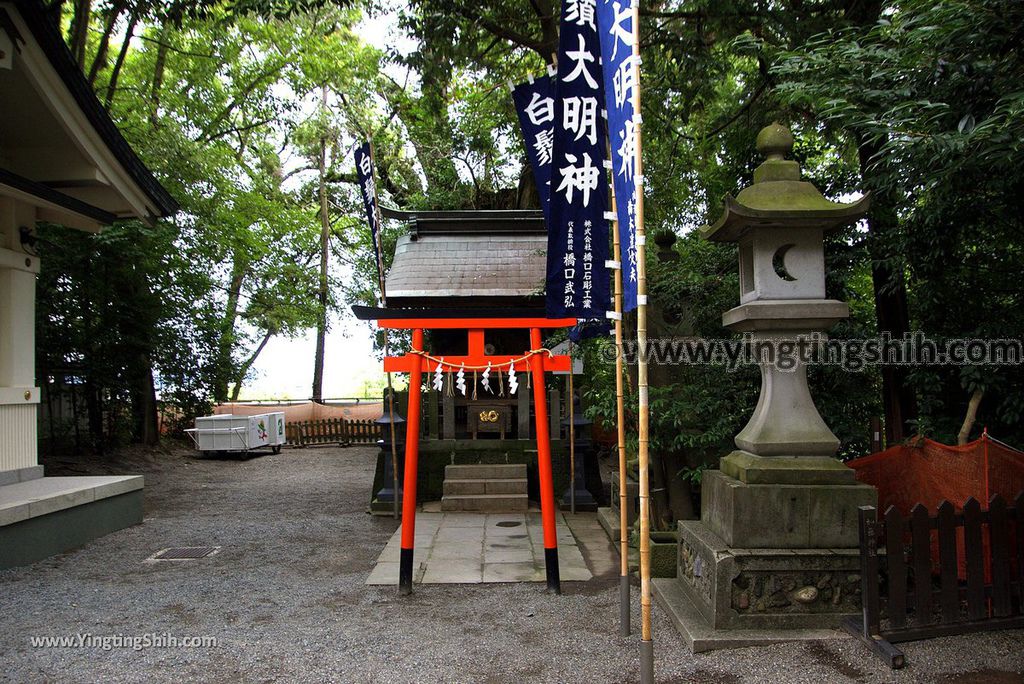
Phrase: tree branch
{"type": "Point", "coordinates": [234, 129]}
{"type": "Point", "coordinates": [508, 34]}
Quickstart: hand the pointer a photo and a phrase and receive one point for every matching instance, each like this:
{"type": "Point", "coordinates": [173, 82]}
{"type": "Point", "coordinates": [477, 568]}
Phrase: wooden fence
{"type": "Point", "coordinates": [333, 431]}
{"type": "Point", "coordinates": [979, 557]}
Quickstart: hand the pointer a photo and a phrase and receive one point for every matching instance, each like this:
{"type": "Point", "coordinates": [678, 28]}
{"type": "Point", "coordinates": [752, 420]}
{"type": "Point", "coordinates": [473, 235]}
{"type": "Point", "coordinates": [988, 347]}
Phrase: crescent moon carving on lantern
{"type": "Point", "coordinates": [779, 263]}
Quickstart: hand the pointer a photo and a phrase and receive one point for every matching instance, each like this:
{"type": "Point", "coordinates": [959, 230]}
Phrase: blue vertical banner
{"type": "Point", "coordinates": [535, 105]}
{"type": "Point", "coordinates": [621, 75]}
{"type": "Point", "coordinates": [577, 276]}
{"type": "Point", "coordinates": [368, 188]}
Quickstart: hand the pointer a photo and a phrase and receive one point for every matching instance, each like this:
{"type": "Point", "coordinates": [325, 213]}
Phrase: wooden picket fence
{"type": "Point", "coordinates": [980, 584]}
{"type": "Point", "coordinates": [332, 431]}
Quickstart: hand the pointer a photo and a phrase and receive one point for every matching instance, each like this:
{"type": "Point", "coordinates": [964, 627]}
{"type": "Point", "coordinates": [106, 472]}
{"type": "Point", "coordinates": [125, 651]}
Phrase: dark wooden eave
{"type": "Point", "coordinates": [471, 222]}
{"type": "Point", "coordinates": [48, 194]}
{"type": "Point", "coordinates": [40, 22]}
{"type": "Point", "coordinates": [370, 313]}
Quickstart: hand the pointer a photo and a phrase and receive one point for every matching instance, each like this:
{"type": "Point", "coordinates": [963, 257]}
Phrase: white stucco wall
{"type": "Point", "coordinates": [19, 396]}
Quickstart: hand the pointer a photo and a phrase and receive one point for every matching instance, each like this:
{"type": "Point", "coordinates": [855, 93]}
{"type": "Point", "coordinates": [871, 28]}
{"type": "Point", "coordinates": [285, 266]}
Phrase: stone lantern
{"type": "Point", "coordinates": [774, 556]}
{"type": "Point", "coordinates": [383, 500]}
{"type": "Point", "coordinates": [576, 492]}
{"type": "Point", "coordinates": [780, 224]}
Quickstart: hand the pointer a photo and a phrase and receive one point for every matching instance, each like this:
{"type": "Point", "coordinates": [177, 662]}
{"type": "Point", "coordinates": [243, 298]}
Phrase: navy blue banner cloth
{"type": "Point", "coordinates": [577, 278]}
{"type": "Point", "coordinates": [621, 74]}
{"type": "Point", "coordinates": [368, 188]}
{"type": "Point", "coordinates": [585, 330]}
{"type": "Point", "coordinates": [535, 105]}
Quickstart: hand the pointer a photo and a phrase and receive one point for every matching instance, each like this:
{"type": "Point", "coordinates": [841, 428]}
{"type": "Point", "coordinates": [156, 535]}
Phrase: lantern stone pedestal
{"type": "Point", "coordinates": [774, 556]}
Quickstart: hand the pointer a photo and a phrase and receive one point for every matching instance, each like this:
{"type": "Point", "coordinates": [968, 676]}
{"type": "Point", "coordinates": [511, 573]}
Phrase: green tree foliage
{"type": "Point", "coordinates": [935, 87]}
{"type": "Point", "coordinates": [234, 103]}
{"type": "Point", "coordinates": [215, 98]}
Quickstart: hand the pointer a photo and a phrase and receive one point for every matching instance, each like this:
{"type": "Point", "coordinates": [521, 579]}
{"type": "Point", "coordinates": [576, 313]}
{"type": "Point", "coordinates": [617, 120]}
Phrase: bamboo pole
{"type": "Point", "coordinates": [378, 248]}
{"type": "Point", "coordinates": [572, 440]}
{"type": "Point", "coordinates": [646, 640]}
{"type": "Point", "coordinates": [620, 420]}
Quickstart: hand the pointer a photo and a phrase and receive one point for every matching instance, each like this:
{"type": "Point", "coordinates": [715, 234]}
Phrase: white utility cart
{"type": "Point", "coordinates": [230, 433]}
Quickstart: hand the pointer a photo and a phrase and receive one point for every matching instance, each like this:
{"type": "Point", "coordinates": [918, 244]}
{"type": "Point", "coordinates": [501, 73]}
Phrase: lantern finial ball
{"type": "Point", "coordinates": [775, 141]}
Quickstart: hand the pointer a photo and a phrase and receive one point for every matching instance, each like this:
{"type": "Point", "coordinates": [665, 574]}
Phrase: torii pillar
{"type": "Point", "coordinates": [536, 361]}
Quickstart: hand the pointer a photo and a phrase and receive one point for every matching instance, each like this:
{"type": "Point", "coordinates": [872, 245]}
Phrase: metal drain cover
{"type": "Point", "coordinates": [509, 523]}
{"type": "Point", "coordinates": [185, 553]}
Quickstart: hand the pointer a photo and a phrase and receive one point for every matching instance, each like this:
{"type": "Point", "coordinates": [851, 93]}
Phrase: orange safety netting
{"type": "Point", "coordinates": [297, 413]}
{"type": "Point", "coordinates": [928, 472]}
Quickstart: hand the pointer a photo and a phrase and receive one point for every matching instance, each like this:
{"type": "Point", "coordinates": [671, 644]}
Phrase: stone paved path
{"type": "Point", "coordinates": [473, 548]}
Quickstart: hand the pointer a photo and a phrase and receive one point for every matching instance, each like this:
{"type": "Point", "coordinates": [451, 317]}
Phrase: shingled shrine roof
{"type": "Point", "coordinates": [468, 258]}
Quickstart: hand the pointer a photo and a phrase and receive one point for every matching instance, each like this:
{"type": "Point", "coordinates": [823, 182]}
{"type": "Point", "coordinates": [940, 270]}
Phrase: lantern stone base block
{"type": "Point", "coordinates": [767, 562]}
{"type": "Point", "coordinates": [701, 637]}
{"type": "Point", "coordinates": [729, 597]}
{"type": "Point", "coordinates": [796, 470]}
{"type": "Point", "coordinates": [758, 588]}
{"type": "Point", "coordinates": [783, 516]}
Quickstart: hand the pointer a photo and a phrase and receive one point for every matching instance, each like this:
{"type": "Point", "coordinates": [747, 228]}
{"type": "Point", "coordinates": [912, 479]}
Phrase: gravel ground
{"type": "Point", "coordinates": [285, 598]}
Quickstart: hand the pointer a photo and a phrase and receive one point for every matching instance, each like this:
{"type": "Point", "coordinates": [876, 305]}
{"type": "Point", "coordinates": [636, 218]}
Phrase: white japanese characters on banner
{"type": "Point", "coordinates": [368, 188]}
{"type": "Point", "coordinates": [577, 278]}
{"type": "Point", "coordinates": [535, 105]}
{"type": "Point", "coordinates": [621, 74]}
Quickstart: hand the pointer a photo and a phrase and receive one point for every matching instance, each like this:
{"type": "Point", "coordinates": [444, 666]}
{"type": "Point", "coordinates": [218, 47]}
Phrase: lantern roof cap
{"type": "Point", "coordinates": [778, 198]}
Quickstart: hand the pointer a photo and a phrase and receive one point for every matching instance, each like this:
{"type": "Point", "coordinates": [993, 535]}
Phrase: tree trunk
{"type": "Point", "coordinates": [149, 410]}
{"type": "Point", "coordinates": [158, 72]}
{"type": "Point", "coordinates": [91, 389]}
{"type": "Point", "coordinates": [891, 311]}
{"type": "Point", "coordinates": [115, 73]}
{"type": "Point", "coordinates": [226, 343]}
{"type": "Point", "coordinates": [680, 489]}
{"type": "Point", "coordinates": [244, 368]}
{"type": "Point", "coordinates": [972, 414]}
{"type": "Point", "coordinates": [527, 196]}
{"type": "Point", "coordinates": [80, 30]}
{"type": "Point", "coordinates": [99, 62]}
{"type": "Point", "coordinates": [325, 235]}
{"type": "Point", "coordinates": [661, 511]}
{"type": "Point", "coordinates": [890, 290]}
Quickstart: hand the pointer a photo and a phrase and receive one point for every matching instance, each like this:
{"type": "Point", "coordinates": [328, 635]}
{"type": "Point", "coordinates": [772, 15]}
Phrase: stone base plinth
{"type": "Point", "coordinates": [609, 521]}
{"type": "Point", "coordinates": [758, 588]}
{"type": "Point", "coordinates": [782, 516]}
{"type": "Point", "coordinates": [803, 470]}
{"type": "Point", "coordinates": [701, 637]}
{"type": "Point", "coordinates": [384, 507]}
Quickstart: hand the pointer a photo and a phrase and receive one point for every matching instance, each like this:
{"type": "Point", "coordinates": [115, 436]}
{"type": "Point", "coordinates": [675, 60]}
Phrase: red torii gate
{"type": "Point", "coordinates": [536, 360]}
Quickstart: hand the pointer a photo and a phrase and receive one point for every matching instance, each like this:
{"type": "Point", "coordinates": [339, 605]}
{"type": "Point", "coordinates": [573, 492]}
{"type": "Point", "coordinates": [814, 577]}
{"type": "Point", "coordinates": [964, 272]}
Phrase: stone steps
{"type": "Point", "coordinates": [484, 471]}
{"type": "Point", "coordinates": [495, 486]}
{"type": "Point", "coordinates": [485, 488]}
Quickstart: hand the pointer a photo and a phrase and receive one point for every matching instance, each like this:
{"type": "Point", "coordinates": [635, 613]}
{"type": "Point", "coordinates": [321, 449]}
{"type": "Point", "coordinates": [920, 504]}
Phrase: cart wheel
{"type": "Point", "coordinates": [277, 449]}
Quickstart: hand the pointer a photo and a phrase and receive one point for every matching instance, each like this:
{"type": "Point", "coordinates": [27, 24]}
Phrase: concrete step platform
{"type": "Point", "coordinates": [43, 516]}
{"type": "Point", "coordinates": [490, 503]}
{"type": "Point", "coordinates": [485, 471]}
{"type": "Point", "coordinates": [491, 486]}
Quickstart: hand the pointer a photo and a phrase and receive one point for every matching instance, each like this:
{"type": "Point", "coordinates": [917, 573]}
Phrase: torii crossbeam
{"type": "Point", "coordinates": [536, 360]}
